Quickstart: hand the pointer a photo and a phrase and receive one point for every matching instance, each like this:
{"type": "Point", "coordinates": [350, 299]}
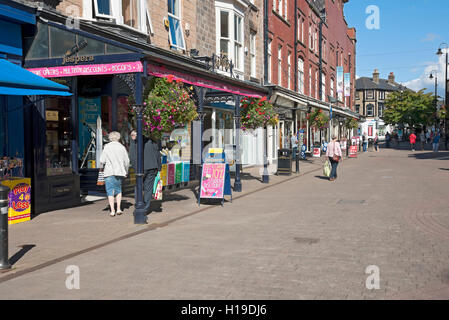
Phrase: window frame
{"type": "Point", "coordinates": [252, 53]}
{"type": "Point", "coordinates": [289, 69]}
{"type": "Point", "coordinates": [105, 16]}
{"type": "Point", "coordinates": [280, 65]}
{"type": "Point", "coordinates": [270, 63]}
{"type": "Point", "coordinates": [169, 14]}
{"type": "Point", "coordinates": [367, 113]}
{"type": "Point", "coordinates": [300, 75]}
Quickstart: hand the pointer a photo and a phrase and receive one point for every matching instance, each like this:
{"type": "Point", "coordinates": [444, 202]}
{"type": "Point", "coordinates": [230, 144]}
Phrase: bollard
{"type": "Point", "coordinates": [4, 261]}
{"type": "Point", "coordinates": [297, 161]}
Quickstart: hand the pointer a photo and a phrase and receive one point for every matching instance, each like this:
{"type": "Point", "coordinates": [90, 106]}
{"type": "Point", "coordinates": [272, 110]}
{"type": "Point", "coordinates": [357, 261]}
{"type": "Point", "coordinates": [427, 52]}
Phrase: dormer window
{"type": "Point", "coordinates": [103, 9]}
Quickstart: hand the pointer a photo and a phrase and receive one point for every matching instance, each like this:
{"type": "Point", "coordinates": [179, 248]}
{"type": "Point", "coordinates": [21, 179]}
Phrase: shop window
{"type": "Point", "coordinates": [174, 17]}
{"type": "Point", "coordinates": [38, 46]}
{"type": "Point", "coordinates": [57, 150]}
{"type": "Point", "coordinates": [94, 47]}
{"type": "Point", "coordinates": [60, 42]}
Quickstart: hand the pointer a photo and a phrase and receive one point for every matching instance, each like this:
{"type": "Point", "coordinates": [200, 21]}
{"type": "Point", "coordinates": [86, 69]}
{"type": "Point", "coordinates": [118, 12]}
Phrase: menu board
{"type": "Point", "coordinates": [178, 172]}
{"type": "Point", "coordinates": [212, 180]}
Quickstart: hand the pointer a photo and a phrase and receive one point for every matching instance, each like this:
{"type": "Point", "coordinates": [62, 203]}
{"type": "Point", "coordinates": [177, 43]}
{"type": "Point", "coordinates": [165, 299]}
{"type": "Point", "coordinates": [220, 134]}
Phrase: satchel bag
{"type": "Point", "coordinates": [335, 157]}
{"type": "Point", "coordinates": [100, 179]}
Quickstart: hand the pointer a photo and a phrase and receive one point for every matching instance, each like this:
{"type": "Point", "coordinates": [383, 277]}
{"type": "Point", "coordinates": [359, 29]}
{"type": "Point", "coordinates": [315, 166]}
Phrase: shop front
{"type": "Point", "coordinates": [67, 134]}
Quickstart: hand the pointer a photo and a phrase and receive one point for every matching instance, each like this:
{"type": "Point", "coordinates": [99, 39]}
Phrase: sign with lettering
{"type": "Point", "coordinates": [212, 180]}
{"type": "Point", "coordinates": [171, 174]}
{"type": "Point", "coordinates": [19, 200]}
{"type": "Point", "coordinates": [86, 70]}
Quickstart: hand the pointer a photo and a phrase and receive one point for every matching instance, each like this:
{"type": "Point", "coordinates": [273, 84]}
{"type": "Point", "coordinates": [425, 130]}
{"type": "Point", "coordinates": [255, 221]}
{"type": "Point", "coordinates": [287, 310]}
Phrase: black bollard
{"type": "Point", "coordinates": [4, 261]}
{"type": "Point", "coordinates": [297, 160]}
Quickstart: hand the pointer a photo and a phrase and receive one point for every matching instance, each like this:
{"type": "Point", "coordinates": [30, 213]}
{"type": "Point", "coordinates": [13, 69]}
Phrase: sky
{"type": "Point", "coordinates": [404, 41]}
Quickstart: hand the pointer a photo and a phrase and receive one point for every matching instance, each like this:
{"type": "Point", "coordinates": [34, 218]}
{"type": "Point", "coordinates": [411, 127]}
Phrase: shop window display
{"type": "Point", "coordinates": [57, 151]}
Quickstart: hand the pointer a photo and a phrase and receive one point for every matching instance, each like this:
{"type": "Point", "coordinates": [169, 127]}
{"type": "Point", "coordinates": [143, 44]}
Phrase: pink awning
{"type": "Point", "coordinates": [163, 72]}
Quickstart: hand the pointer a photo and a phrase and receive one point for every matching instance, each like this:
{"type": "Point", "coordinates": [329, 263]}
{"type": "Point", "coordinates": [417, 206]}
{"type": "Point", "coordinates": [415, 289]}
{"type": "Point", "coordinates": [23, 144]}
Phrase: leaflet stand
{"type": "Point", "coordinates": [217, 155]}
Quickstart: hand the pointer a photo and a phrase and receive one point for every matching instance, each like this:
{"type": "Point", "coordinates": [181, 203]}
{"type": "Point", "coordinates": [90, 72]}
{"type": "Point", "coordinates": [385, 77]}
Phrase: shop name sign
{"type": "Point", "coordinates": [76, 59]}
{"type": "Point", "coordinates": [87, 70]}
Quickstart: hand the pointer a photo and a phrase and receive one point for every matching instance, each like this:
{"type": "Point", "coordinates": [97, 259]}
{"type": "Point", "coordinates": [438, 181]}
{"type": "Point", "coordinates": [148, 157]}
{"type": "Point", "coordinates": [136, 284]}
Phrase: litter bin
{"type": "Point", "coordinates": [284, 161]}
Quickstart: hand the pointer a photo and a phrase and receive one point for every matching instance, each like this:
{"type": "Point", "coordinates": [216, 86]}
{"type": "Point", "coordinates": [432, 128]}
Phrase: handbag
{"type": "Point", "coordinates": [100, 179]}
{"type": "Point", "coordinates": [335, 157]}
{"type": "Point", "coordinates": [327, 169]}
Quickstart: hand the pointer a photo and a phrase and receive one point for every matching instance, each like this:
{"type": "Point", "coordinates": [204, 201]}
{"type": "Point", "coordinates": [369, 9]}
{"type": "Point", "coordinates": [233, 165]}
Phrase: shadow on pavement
{"type": "Point", "coordinates": [19, 254]}
{"type": "Point", "coordinates": [444, 169]}
{"type": "Point", "coordinates": [430, 155]}
{"type": "Point", "coordinates": [322, 177]}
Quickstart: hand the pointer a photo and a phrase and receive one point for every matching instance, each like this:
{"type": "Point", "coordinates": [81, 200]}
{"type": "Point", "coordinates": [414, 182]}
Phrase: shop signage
{"type": "Point", "coordinates": [51, 115]}
{"type": "Point", "coordinates": [88, 70]}
{"type": "Point", "coordinates": [340, 79]}
{"type": "Point", "coordinates": [347, 84]}
{"type": "Point", "coordinates": [76, 59]}
{"type": "Point", "coordinates": [213, 180]}
{"type": "Point", "coordinates": [19, 200]}
{"type": "Point", "coordinates": [353, 151]}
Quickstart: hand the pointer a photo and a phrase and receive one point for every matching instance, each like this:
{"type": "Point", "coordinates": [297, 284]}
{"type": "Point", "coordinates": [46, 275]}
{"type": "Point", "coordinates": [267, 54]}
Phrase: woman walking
{"type": "Point", "coordinates": [376, 142]}
{"type": "Point", "coordinates": [116, 164]}
{"type": "Point", "coordinates": [334, 153]}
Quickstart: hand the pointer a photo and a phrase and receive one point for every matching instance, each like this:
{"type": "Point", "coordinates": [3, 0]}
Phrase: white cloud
{"type": "Point", "coordinates": [424, 82]}
{"type": "Point", "coordinates": [430, 37]}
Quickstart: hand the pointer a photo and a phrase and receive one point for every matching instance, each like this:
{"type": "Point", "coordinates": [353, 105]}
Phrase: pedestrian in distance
{"type": "Point", "coordinates": [364, 142]}
{"type": "Point", "coordinates": [422, 139]}
{"type": "Point", "coordinates": [334, 154]}
{"type": "Point", "coordinates": [376, 143]}
{"type": "Point", "coordinates": [428, 137]}
{"type": "Point", "coordinates": [412, 139]}
{"type": "Point", "coordinates": [387, 140]}
{"type": "Point", "coordinates": [446, 139]}
{"type": "Point", "coordinates": [116, 164]}
{"type": "Point", "coordinates": [294, 143]}
{"type": "Point", "coordinates": [436, 141]}
{"type": "Point", "coordinates": [151, 166]}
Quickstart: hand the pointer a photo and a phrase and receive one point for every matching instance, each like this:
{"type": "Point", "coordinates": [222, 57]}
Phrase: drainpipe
{"type": "Point", "coordinates": [265, 176]}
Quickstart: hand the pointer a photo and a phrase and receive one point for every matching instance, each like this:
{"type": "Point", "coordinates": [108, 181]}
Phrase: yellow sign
{"type": "Point", "coordinates": [52, 115]}
{"type": "Point", "coordinates": [19, 199]}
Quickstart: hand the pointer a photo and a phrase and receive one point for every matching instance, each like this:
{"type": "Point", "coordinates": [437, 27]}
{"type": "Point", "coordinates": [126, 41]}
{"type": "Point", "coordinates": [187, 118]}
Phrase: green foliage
{"type": "Point", "coordinates": [318, 119]}
{"type": "Point", "coordinates": [168, 104]}
{"type": "Point", "coordinates": [351, 123]}
{"type": "Point", "coordinates": [256, 113]}
{"type": "Point", "coordinates": [408, 107]}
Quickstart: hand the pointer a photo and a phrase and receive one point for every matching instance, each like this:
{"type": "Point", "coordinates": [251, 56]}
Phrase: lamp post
{"type": "Point", "coordinates": [436, 94]}
{"type": "Point", "coordinates": [139, 212]}
{"type": "Point", "coordinates": [331, 100]}
{"type": "Point", "coordinates": [439, 53]}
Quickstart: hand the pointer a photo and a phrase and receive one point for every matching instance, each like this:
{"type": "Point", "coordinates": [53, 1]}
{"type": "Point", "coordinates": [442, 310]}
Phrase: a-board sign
{"type": "Point", "coordinates": [353, 151]}
{"type": "Point", "coordinates": [213, 180]}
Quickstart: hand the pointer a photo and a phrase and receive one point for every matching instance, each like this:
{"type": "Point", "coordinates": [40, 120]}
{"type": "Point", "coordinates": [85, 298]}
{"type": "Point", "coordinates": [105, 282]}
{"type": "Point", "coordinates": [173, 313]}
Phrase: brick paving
{"type": "Point", "coordinates": [304, 238]}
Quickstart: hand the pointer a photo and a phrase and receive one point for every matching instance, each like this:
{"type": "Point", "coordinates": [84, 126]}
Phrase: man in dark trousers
{"type": "Point", "coordinates": [151, 165]}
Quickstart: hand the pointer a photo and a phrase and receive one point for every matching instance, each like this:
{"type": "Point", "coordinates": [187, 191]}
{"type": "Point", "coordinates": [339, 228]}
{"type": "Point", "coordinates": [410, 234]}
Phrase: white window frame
{"type": "Point", "coordinates": [280, 65]}
{"type": "Point", "coordinates": [270, 56]}
{"type": "Point", "coordinates": [252, 53]}
{"type": "Point", "coordinates": [116, 15]}
{"type": "Point", "coordinates": [113, 14]}
{"type": "Point", "coordinates": [369, 104]}
{"type": "Point", "coordinates": [310, 37]}
{"type": "Point", "coordinates": [332, 93]}
{"type": "Point", "coordinates": [280, 7]}
{"type": "Point", "coordinates": [310, 82]}
{"type": "Point", "coordinates": [285, 9]}
{"type": "Point", "coordinates": [176, 46]}
{"type": "Point", "coordinates": [300, 75]}
{"type": "Point", "coordinates": [232, 12]}
{"type": "Point", "coordinates": [316, 84]}
{"type": "Point", "coordinates": [238, 44]}
{"type": "Point", "coordinates": [323, 86]}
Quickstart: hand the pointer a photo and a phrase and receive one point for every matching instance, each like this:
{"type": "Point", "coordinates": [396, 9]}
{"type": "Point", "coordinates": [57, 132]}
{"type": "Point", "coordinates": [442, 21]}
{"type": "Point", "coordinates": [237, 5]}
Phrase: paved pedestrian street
{"type": "Point", "coordinates": [385, 218]}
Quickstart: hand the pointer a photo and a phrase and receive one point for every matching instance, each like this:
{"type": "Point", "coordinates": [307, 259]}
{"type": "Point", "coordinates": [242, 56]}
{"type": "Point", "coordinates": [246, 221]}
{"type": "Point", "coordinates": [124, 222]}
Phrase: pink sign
{"type": "Point", "coordinates": [212, 180]}
{"type": "Point", "coordinates": [171, 173]}
{"type": "Point", "coordinates": [88, 70]}
{"type": "Point", "coordinates": [163, 72]}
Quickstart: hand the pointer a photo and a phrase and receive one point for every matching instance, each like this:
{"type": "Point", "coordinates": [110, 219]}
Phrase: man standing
{"type": "Point", "coordinates": [151, 165]}
{"type": "Point", "coordinates": [422, 139]}
{"type": "Point", "coordinates": [365, 142]}
{"type": "Point", "coordinates": [294, 143]}
{"type": "Point", "coordinates": [387, 139]}
{"type": "Point", "coordinates": [412, 139]}
{"type": "Point", "coordinates": [436, 141]}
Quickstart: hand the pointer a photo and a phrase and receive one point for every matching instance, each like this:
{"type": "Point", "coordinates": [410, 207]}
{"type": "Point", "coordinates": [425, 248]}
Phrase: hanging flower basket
{"type": "Point", "coordinates": [257, 113]}
{"type": "Point", "coordinates": [318, 119]}
{"type": "Point", "coordinates": [168, 105]}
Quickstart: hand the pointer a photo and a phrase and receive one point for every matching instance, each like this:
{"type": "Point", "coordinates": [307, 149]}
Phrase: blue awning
{"type": "Point", "coordinates": [16, 81]}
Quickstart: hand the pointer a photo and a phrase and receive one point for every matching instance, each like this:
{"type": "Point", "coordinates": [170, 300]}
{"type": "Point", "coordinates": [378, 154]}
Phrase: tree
{"type": "Point", "coordinates": [410, 108]}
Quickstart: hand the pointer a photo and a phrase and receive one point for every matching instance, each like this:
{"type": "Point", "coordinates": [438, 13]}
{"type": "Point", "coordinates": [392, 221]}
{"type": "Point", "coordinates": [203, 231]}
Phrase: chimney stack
{"type": "Point", "coordinates": [391, 78]}
{"type": "Point", "coordinates": [376, 76]}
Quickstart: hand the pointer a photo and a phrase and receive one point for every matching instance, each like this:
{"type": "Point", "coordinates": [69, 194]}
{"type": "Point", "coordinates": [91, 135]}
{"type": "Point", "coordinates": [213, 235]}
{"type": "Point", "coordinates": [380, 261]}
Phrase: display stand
{"type": "Point", "coordinates": [215, 180]}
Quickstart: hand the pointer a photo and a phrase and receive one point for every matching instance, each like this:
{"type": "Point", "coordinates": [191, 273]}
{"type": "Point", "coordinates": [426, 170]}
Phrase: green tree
{"type": "Point", "coordinates": [410, 108]}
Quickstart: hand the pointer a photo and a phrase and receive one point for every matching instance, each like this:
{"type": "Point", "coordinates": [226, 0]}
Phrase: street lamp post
{"type": "Point", "coordinates": [436, 94]}
{"type": "Point", "coordinates": [439, 53]}
{"type": "Point", "coordinates": [139, 212]}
